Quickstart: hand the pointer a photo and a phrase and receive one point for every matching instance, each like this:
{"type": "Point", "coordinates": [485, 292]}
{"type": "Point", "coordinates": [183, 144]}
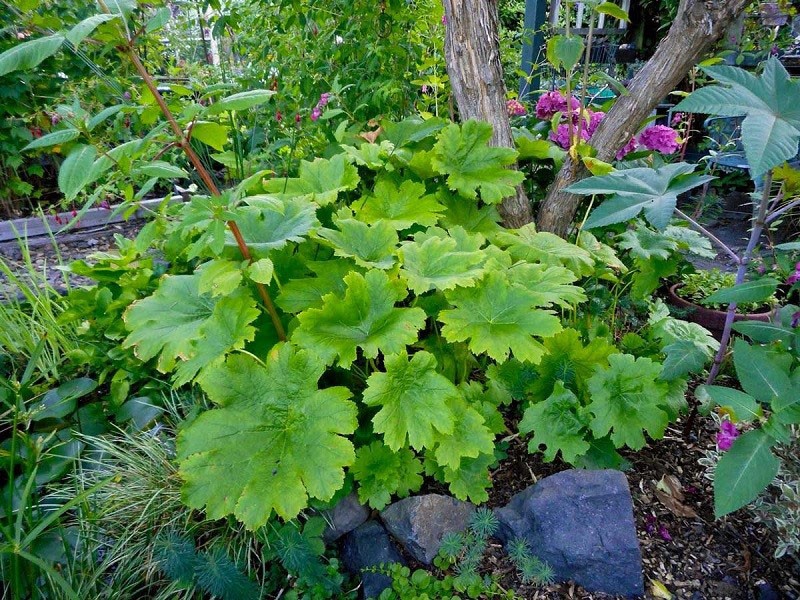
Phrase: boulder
{"type": "Point", "coordinates": [581, 523]}
{"type": "Point", "coordinates": [348, 514]}
{"type": "Point", "coordinates": [369, 545]}
{"type": "Point", "coordinates": [419, 523]}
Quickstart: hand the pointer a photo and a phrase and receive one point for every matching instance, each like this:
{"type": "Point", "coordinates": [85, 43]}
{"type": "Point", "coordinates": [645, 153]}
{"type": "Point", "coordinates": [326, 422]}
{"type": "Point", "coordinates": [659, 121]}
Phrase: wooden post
{"type": "Point", "coordinates": [533, 42]}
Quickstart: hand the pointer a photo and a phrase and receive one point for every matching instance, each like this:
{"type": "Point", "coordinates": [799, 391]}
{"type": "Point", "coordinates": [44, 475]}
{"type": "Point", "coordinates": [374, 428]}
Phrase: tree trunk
{"type": "Point", "coordinates": [697, 26]}
{"type": "Point", "coordinates": [472, 53]}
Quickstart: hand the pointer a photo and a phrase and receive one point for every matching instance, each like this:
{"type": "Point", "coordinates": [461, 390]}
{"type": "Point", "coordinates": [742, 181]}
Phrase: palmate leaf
{"type": "Point", "coordinates": [192, 317]}
{"type": "Point", "coordinates": [462, 153]}
{"type": "Point", "coordinates": [627, 399]}
{"type": "Point", "coordinates": [463, 213]}
{"type": "Point", "coordinates": [289, 439]}
{"type": "Point", "coordinates": [559, 423]}
{"type": "Point", "coordinates": [414, 399]}
{"type": "Point", "coordinates": [401, 207]}
{"type": "Point", "coordinates": [771, 128]}
{"type": "Point", "coordinates": [439, 259]}
{"type": "Point", "coordinates": [547, 285]}
{"type": "Point", "coordinates": [546, 248]}
{"type": "Point", "coordinates": [469, 439]}
{"type": "Point", "coordinates": [683, 357]}
{"type": "Point", "coordinates": [365, 318]}
{"type": "Point", "coordinates": [632, 191]}
{"type": "Point", "coordinates": [645, 244]}
{"type": "Point", "coordinates": [319, 181]}
{"type": "Point", "coordinates": [269, 223]}
{"type": "Point", "coordinates": [300, 294]}
{"type": "Point", "coordinates": [382, 472]}
{"type": "Point", "coordinates": [471, 479]}
{"type": "Point", "coordinates": [498, 317]}
{"type": "Point", "coordinates": [371, 246]}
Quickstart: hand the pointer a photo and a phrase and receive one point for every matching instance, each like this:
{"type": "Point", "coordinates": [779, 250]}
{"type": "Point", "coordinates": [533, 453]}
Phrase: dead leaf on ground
{"type": "Point", "coordinates": [669, 492]}
{"type": "Point", "coordinates": [371, 136]}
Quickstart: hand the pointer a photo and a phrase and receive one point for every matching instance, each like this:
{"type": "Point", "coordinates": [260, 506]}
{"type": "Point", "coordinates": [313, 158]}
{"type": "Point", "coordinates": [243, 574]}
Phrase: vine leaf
{"type": "Point", "coordinates": [626, 399]}
{"type": "Point", "coordinates": [319, 181]}
{"type": "Point", "coordinates": [546, 248]}
{"type": "Point", "coordinates": [559, 423]}
{"type": "Point", "coordinates": [414, 401]}
{"type": "Point", "coordinates": [402, 206]}
{"type": "Point", "coordinates": [463, 154]}
{"type": "Point", "coordinates": [290, 445]}
{"type": "Point", "coordinates": [192, 316]}
{"type": "Point", "coordinates": [381, 472]}
{"type": "Point", "coordinates": [497, 318]}
{"type": "Point", "coordinates": [365, 318]}
{"type": "Point", "coordinates": [438, 259]}
{"type": "Point", "coordinates": [371, 246]}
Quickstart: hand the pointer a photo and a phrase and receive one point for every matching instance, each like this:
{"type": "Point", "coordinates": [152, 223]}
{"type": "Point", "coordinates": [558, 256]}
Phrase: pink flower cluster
{"type": "Point", "coordinates": [515, 108]}
{"type": "Point", "coordinates": [727, 433]}
{"type": "Point", "coordinates": [316, 113]}
{"type": "Point", "coordinates": [794, 277]}
{"type": "Point", "coordinates": [660, 138]}
{"type": "Point", "coordinates": [554, 102]}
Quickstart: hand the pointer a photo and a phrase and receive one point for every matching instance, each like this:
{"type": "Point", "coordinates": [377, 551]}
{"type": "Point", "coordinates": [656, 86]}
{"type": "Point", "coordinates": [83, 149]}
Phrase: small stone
{"type": "Point", "coordinates": [581, 523]}
{"type": "Point", "coordinates": [766, 592]}
{"type": "Point", "coordinates": [344, 517]}
{"type": "Point", "coordinates": [368, 545]}
{"type": "Point", "coordinates": [419, 523]}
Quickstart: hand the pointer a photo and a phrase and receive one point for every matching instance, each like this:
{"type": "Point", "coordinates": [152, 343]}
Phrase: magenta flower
{"type": "Point", "coordinates": [796, 319]}
{"type": "Point", "coordinates": [323, 100]}
{"type": "Point", "coordinates": [594, 120]}
{"type": "Point", "coordinates": [561, 135]}
{"type": "Point", "coordinates": [650, 524]}
{"type": "Point", "coordinates": [278, 116]}
{"type": "Point", "coordinates": [627, 149]}
{"type": "Point", "coordinates": [550, 103]}
{"type": "Point", "coordinates": [660, 138]}
{"type": "Point", "coordinates": [727, 433]}
{"type": "Point", "coordinates": [677, 119]}
{"type": "Point", "coordinates": [664, 533]}
{"type": "Point", "coordinates": [316, 113]}
{"type": "Point", "coordinates": [515, 108]}
{"type": "Point", "coordinates": [794, 277]}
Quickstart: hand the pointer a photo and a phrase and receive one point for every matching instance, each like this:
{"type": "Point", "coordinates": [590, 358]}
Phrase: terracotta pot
{"type": "Point", "coordinates": [711, 319]}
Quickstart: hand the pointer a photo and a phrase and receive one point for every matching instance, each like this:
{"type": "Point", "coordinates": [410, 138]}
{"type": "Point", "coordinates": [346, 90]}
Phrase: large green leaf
{"type": "Point", "coordinates": [442, 260]}
{"type": "Point", "coordinates": [627, 399]}
{"type": "Point", "coordinates": [471, 479]}
{"type": "Point", "coordinates": [683, 357]}
{"type": "Point", "coordinates": [771, 128]}
{"type": "Point", "coordinates": [269, 223]}
{"type": "Point", "coordinates": [414, 401]}
{"type": "Point", "coordinates": [319, 181]}
{"type": "Point", "coordinates": [191, 317]}
{"type": "Point", "coordinates": [546, 248]}
{"type": "Point", "coordinates": [654, 191]}
{"type": "Point", "coordinates": [76, 170]}
{"type": "Point", "coordinates": [365, 318]}
{"type": "Point", "coordinates": [497, 317]}
{"type": "Point", "coordinates": [744, 406]}
{"type": "Point", "coordinates": [559, 423]}
{"type": "Point", "coordinates": [79, 33]}
{"type": "Point", "coordinates": [401, 207]}
{"type": "Point", "coordinates": [241, 101]}
{"type": "Point", "coordinates": [210, 133]}
{"type": "Point", "coordinates": [564, 51]}
{"type": "Point", "coordinates": [743, 472]}
{"type": "Point", "coordinates": [547, 285]}
{"type": "Point", "coordinates": [276, 440]}
{"type": "Point", "coordinates": [470, 437]}
{"type": "Point", "coordinates": [371, 246]}
{"type": "Point", "coordinates": [29, 54]}
{"type": "Point", "coordinates": [53, 139]}
{"type": "Point", "coordinates": [749, 291]}
{"type": "Point", "coordinates": [300, 294]}
{"type": "Point", "coordinates": [462, 153]}
{"type": "Point", "coordinates": [382, 472]}
{"type": "Point", "coordinates": [760, 375]}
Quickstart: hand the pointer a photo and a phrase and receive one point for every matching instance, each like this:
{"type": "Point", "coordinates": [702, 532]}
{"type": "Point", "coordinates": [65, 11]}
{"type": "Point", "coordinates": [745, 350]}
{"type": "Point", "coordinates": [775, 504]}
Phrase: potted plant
{"type": "Point", "coordinates": [692, 294]}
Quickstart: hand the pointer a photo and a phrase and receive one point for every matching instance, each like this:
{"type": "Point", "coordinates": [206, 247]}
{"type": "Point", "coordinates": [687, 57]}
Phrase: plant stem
{"type": "Point", "coordinates": [727, 249]}
{"type": "Point", "coordinates": [759, 222]}
{"type": "Point", "coordinates": [203, 173]}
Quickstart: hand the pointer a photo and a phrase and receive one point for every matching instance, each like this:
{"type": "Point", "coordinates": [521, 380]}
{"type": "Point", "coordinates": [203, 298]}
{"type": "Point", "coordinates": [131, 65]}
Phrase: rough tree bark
{"type": "Point", "coordinates": [472, 53]}
{"type": "Point", "coordinates": [698, 24]}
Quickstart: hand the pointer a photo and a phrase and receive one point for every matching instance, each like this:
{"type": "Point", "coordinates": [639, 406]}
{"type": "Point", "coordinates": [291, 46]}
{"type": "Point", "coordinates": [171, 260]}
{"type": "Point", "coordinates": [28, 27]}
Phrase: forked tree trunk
{"type": "Point", "coordinates": [472, 53]}
{"type": "Point", "coordinates": [697, 26]}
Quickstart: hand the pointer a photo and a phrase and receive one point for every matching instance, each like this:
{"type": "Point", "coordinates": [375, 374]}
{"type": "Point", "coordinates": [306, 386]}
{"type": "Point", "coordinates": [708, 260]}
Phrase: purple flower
{"type": "Point", "coordinates": [794, 277]}
{"type": "Point", "coordinates": [627, 149]}
{"type": "Point", "coordinates": [55, 119]}
{"type": "Point", "coordinates": [677, 119]}
{"type": "Point", "coordinates": [425, 88]}
{"type": "Point", "coordinates": [323, 100]}
{"type": "Point", "coordinates": [594, 120]}
{"type": "Point", "coordinates": [126, 96]}
{"type": "Point", "coordinates": [316, 113]}
{"type": "Point", "coordinates": [561, 135]}
{"type": "Point", "coordinates": [515, 108]}
{"type": "Point", "coordinates": [664, 533]}
{"type": "Point", "coordinates": [796, 319]}
{"type": "Point", "coordinates": [650, 524]}
{"type": "Point", "coordinates": [660, 138]}
{"type": "Point", "coordinates": [550, 103]}
{"type": "Point", "coordinates": [727, 433]}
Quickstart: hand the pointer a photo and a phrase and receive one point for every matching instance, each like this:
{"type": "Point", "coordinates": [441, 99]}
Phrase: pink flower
{"type": "Point", "coordinates": [627, 149]}
{"type": "Point", "coordinates": [727, 433]}
{"type": "Point", "coordinates": [316, 113]}
{"type": "Point", "coordinates": [594, 120]}
{"type": "Point", "coordinates": [323, 100]}
{"type": "Point", "coordinates": [561, 135]}
{"type": "Point", "coordinates": [550, 103]}
{"type": "Point", "coordinates": [660, 138]}
{"type": "Point", "coordinates": [515, 108]}
{"type": "Point", "coordinates": [278, 116]}
{"type": "Point", "coordinates": [55, 119]}
{"type": "Point", "coordinates": [425, 88]}
{"type": "Point", "coordinates": [297, 118]}
{"type": "Point", "coordinates": [794, 277]}
{"type": "Point", "coordinates": [444, 19]}
{"type": "Point", "coordinates": [664, 533]}
{"type": "Point", "coordinates": [677, 119]}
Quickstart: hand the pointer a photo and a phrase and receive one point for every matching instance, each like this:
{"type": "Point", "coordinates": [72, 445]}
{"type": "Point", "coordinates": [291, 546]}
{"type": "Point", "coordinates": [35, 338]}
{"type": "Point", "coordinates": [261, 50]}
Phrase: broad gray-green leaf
{"type": "Point", "coordinates": [749, 291]}
{"type": "Point", "coordinates": [162, 169]}
{"type": "Point", "coordinates": [78, 33]}
{"type": "Point", "coordinates": [654, 191]}
{"type": "Point", "coordinates": [158, 20]}
{"type": "Point", "coordinates": [29, 54]}
{"type": "Point", "coordinates": [75, 171]}
{"type": "Point", "coordinates": [771, 128]}
{"type": "Point", "coordinates": [683, 357]}
{"type": "Point", "coordinates": [762, 332]}
{"type": "Point", "coordinates": [743, 472]}
{"type": "Point", "coordinates": [241, 101]}
{"type": "Point", "coordinates": [53, 139]}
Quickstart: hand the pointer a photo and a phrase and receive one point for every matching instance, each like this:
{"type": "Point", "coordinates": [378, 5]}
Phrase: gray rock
{"type": "Point", "coordinates": [344, 517]}
{"type": "Point", "coordinates": [581, 523]}
{"type": "Point", "coordinates": [369, 545]}
{"type": "Point", "coordinates": [419, 523]}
